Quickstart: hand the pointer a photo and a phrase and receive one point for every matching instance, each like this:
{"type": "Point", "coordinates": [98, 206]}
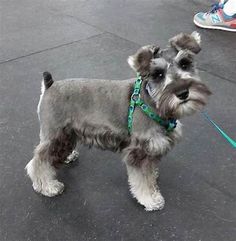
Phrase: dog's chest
{"type": "Point", "coordinates": [159, 141]}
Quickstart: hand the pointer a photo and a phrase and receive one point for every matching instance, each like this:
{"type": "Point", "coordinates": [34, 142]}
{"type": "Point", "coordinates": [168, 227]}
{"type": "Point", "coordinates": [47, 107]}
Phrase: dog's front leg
{"type": "Point", "coordinates": [143, 181]}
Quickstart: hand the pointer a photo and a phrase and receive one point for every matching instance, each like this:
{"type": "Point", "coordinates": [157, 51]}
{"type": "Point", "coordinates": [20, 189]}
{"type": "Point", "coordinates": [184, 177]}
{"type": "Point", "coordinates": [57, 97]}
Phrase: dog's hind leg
{"type": "Point", "coordinates": [143, 183]}
{"type": "Point", "coordinates": [47, 156]}
{"type": "Point", "coordinates": [42, 173]}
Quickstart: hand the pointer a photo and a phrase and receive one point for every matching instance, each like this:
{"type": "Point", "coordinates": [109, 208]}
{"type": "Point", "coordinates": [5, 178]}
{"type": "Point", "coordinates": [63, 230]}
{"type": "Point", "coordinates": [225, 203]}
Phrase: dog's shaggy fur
{"type": "Point", "coordinates": [94, 112]}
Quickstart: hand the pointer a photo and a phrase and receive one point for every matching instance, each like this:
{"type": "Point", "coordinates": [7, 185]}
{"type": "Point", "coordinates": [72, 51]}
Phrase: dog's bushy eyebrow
{"type": "Point", "coordinates": [159, 62]}
{"type": "Point", "coordinates": [184, 54]}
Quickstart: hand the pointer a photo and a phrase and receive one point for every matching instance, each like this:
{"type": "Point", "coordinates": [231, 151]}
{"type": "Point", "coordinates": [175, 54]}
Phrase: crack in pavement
{"type": "Point", "coordinates": [103, 31]}
{"type": "Point", "coordinates": [48, 49]}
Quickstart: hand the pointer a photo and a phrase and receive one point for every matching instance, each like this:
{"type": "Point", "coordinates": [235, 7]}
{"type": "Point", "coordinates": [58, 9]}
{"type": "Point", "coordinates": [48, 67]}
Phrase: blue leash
{"type": "Point", "coordinates": [230, 140]}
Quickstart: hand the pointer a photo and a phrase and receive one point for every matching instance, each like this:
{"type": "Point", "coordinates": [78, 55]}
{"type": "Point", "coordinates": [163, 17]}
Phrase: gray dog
{"type": "Point", "coordinates": [137, 118]}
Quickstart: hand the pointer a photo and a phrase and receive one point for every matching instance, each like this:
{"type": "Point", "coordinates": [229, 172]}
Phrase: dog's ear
{"type": "Point", "coordinates": [190, 42]}
{"type": "Point", "coordinates": [140, 62]}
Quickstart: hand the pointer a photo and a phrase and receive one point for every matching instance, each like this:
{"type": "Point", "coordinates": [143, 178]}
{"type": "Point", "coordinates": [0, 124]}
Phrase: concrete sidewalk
{"type": "Point", "coordinates": [80, 38]}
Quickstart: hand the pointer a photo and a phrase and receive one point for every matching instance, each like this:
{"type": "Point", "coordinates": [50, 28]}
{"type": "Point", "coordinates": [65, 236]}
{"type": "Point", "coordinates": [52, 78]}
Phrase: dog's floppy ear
{"type": "Point", "coordinates": [140, 62]}
{"type": "Point", "coordinates": [190, 42]}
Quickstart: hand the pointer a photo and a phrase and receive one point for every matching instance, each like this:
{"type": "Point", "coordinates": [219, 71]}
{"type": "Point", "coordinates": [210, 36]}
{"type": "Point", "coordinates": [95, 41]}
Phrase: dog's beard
{"type": "Point", "coordinates": [170, 106]}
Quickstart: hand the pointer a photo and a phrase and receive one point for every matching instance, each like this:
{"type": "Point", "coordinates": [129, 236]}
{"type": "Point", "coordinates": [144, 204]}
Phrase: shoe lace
{"type": "Point", "coordinates": [215, 7]}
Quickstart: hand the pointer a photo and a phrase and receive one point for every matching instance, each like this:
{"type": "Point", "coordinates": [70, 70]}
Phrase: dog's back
{"type": "Point", "coordinates": [82, 100]}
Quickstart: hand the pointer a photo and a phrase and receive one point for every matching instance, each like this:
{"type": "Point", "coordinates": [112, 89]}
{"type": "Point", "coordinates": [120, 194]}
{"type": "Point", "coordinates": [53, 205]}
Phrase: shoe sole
{"type": "Point", "coordinates": [214, 27]}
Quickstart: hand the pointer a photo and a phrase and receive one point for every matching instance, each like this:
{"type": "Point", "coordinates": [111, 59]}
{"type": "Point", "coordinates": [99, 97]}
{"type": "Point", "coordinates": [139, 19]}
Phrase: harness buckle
{"type": "Point", "coordinates": [135, 97]}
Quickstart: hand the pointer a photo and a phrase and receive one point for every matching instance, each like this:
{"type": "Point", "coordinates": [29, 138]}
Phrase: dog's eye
{"type": "Point", "coordinates": [158, 74]}
{"type": "Point", "coordinates": [185, 64]}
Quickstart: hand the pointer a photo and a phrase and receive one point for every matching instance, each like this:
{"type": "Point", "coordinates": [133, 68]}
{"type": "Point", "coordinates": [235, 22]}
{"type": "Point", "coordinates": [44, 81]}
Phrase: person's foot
{"type": "Point", "coordinates": [215, 19]}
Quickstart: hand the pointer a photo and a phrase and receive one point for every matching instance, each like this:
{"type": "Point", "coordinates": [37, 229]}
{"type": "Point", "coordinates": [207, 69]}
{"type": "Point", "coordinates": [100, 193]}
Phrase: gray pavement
{"type": "Point", "coordinates": [80, 38]}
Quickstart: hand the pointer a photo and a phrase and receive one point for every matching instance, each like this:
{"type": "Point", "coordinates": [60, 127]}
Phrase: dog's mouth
{"type": "Point", "coordinates": [184, 101]}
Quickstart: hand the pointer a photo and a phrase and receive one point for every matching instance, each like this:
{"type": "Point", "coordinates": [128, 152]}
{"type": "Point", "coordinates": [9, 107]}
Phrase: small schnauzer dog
{"type": "Point", "coordinates": [95, 113]}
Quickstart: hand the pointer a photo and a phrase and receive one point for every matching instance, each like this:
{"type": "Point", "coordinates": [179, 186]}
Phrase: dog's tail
{"type": "Point", "coordinates": [47, 79]}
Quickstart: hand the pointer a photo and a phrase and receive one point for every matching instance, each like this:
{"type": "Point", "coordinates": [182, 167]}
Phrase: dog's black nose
{"type": "Point", "coordinates": [183, 94]}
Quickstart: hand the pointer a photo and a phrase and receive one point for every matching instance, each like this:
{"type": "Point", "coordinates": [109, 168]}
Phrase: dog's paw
{"type": "Point", "coordinates": [153, 202]}
{"type": "Point", "coordinates": [49, 189]}
{"type": "Point", "coordinates": [72, 157]}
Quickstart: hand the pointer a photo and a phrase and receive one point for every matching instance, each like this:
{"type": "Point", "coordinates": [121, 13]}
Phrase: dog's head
{"type": "Point", "coordinates": [171, 78]}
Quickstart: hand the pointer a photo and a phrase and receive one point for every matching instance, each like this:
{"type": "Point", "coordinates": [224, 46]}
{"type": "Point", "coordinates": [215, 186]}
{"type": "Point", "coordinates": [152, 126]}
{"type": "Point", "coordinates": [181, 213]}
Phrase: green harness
{"type": "Point", "coordinates": [135, 100]}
